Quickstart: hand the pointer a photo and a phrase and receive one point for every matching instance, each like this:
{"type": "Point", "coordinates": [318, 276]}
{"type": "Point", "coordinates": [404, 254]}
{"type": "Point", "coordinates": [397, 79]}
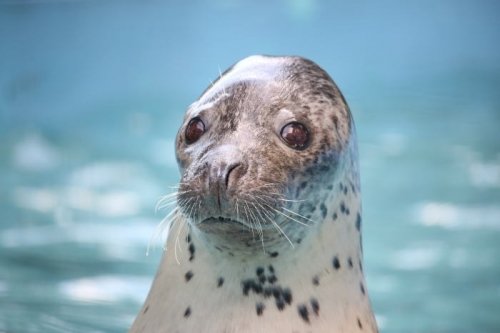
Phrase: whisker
{"type": "Point", "coordinates": [176, 243]}
{"type": "Point", "coordinates": [289, 217]}
{"type": "Point", "coordinates": [260, 225]}
{"type": "Point", "coordinates": [299, 215]}
{"type": "Point", "coordinates": [277, 196]}
{"type": "Point", "coordinates": [168, 199]}
{"type": "Point", "coordinates": [247, 209]}
{"type": "Point", "coordinates": [168, 219]}
{"type": "Point", "coordinates": [279, 229]}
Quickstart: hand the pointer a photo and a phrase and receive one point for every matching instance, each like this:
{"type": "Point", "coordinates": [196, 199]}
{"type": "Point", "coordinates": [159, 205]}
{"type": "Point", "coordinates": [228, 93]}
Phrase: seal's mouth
{"type": "Point", "coordinates": [222, 220]}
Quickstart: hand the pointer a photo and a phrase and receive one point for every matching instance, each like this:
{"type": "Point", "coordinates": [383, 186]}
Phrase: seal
{"type": "Point", "coordinates": [266, 232]}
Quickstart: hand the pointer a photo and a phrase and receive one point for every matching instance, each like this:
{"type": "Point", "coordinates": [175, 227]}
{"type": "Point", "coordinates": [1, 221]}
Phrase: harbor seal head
{"type": "Point", "coordinates": [269, 208]}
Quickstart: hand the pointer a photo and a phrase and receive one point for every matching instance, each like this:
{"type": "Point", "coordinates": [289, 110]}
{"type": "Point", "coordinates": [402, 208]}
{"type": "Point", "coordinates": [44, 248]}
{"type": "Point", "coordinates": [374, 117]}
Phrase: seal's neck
{"type": "Point", "coordinates": [315, 285]}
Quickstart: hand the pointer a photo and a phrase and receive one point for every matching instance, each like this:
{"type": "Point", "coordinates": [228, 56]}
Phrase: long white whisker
{"type": "Point", "coordinates": [299, 215]}
{"type": "Point", "coordinates": [168, 199]}
{"type": "Point", "coordinates": [260, 225]}
{"type": "Point", "coordinates": [248, 218]}
{"type": "Point", "coordinates": [168, 219]}
{"type": "Point", "coordinates": [279, 229]}
{"type": "Point", "coordinates": [278, 197]}
{"type": "Point", "coordinates": [176, 244]}
{"type": "Point", "coordinates": [289, 217]}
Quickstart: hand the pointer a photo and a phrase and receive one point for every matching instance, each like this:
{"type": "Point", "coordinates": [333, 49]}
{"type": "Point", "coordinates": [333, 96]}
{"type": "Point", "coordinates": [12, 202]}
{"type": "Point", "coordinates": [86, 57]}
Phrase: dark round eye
{"type": "Point", "coordinates": [194, 130]}
{"type": "Point", "coordinates": [295, 135]}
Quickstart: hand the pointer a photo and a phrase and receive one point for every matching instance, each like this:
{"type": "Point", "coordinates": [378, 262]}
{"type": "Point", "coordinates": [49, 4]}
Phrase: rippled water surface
{"type": "Point", "coordinates": [92, 94]}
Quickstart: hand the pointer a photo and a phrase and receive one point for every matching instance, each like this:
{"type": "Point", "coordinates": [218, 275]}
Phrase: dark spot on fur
{"type": "Point", "coordinates": [262, 279]}
{"type": "Point", "coordinates": [345, 190]}
{"type": "Point", "coordinates": [342, 207]}
{"type": "Point", "coordinates": [251, 284]}
{"type": "Point", "coordinates": [335, 121]}
{"type": "Point", "coordinates": [280, 304]}
{"type": "Point", "coordinates": [303, 313]}
{"type": "Point", "coordinates": [336, 262]}
{"type": "Point", "coordinates": [324, 210]}
{"type": "Point", "coordinates": [220, 282]}
{"type": "Point", "coordinates": [259, 307]}
{"type": "Point", "coordinates": [315, 306]}
{"type": "Point", "coordinates": [188, 276]}
{"type": "Point", "coordinates": [267, 292]}
{"type": "Point", "coordinates": [287, 295]}
{"type": "Point", "coordinates": [334, 216]}
{"type": "Point", "coordinates": [272, 279]}
{"type": "Point", "coordinates": [273, 254]}
{"type": "Point", "coordinates": [188, 238]}
{"type": "Point", "coordinates": [187, 313]}
{"type": "Point", "coordinates": [349, 262]}
{"type": "Point", "coordinates": [191, 252]}
{"type": "Point", "coordinates": [362, 287]}
{"type": "Point", "coordinates": [145, 309]}
{"type": "Point", "coordinates": [360, 325]}
{"type": "Point", "coordinates": [353, 188]}
{"type": "Point", "coordinates": [360, 266]}
{"type": "Point", "coordinates": [246, 287]}
{"type": "Point", "coordinates": [358, 222]}
{"type": "Point", "coordinates": [259, 271]}
{"type": "Point", "coordinates": [271, 269]}
{"type": "Point", "coordinates": [303, 185]}
{"type": "Point", "coordinates": [299, 240]}
{"type": "Point", "coordinates": [315, 280]}
{"type": "Point", "coordinates": [307, 207]}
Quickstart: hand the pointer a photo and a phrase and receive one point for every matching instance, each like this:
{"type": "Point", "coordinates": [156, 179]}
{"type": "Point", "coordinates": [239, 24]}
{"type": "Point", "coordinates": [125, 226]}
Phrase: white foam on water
{"type": "Point", "coordinates": [42, 200]}
{"type": "Point", "coordinates": [485, 174]}
{"type": "Point", "coordinates": [451, 216]}
{"type": "Point", "coordinates": [117, 238]}
{"type": "Point", "coordinates": [482, 173]}
{"type": "Point", "coordinates": [383, 284]}
{"type": "Point", "coordinates": [35, 153]}
{"type": "Point", "coordinates": [416, 258]}
{"type": "Point", "coordinates": [106, 288]}
{"type": "Point", "coordinates": [118, 203]}
{"type": "Point", "coordinates": [104, 203]}
{"type": "Point", "coordinates": [105, 174]}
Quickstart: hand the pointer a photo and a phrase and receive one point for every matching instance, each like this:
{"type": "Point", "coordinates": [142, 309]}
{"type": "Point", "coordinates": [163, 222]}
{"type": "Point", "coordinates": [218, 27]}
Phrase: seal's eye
{"type": "Point", "coordinates": [194, 130]}
{"type": "Point", "coordinates": [295, 135]}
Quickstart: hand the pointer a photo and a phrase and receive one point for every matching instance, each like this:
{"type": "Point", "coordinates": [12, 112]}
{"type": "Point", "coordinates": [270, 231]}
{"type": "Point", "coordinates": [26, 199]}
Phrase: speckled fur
{"type": "Point", "coordinates": [230, 277]}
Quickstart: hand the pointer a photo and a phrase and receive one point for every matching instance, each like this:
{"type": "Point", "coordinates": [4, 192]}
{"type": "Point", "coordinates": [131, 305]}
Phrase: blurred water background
{"type": "Point", "coordinates": [92, 94]}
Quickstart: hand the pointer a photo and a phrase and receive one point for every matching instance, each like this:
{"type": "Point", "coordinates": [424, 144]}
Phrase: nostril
{"type": "Point", "coordinates": [230, 169]}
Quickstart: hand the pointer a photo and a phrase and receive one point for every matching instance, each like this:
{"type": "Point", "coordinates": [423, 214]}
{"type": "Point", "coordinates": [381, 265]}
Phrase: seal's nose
{"type": "Point", "coordinates": [226, 167]}
{"type": "Point", "coordinates": [221, 174]}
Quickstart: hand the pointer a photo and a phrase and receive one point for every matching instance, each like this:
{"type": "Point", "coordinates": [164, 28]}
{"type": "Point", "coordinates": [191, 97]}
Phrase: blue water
{"type": "Point", "coordinates": [92, 93]}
